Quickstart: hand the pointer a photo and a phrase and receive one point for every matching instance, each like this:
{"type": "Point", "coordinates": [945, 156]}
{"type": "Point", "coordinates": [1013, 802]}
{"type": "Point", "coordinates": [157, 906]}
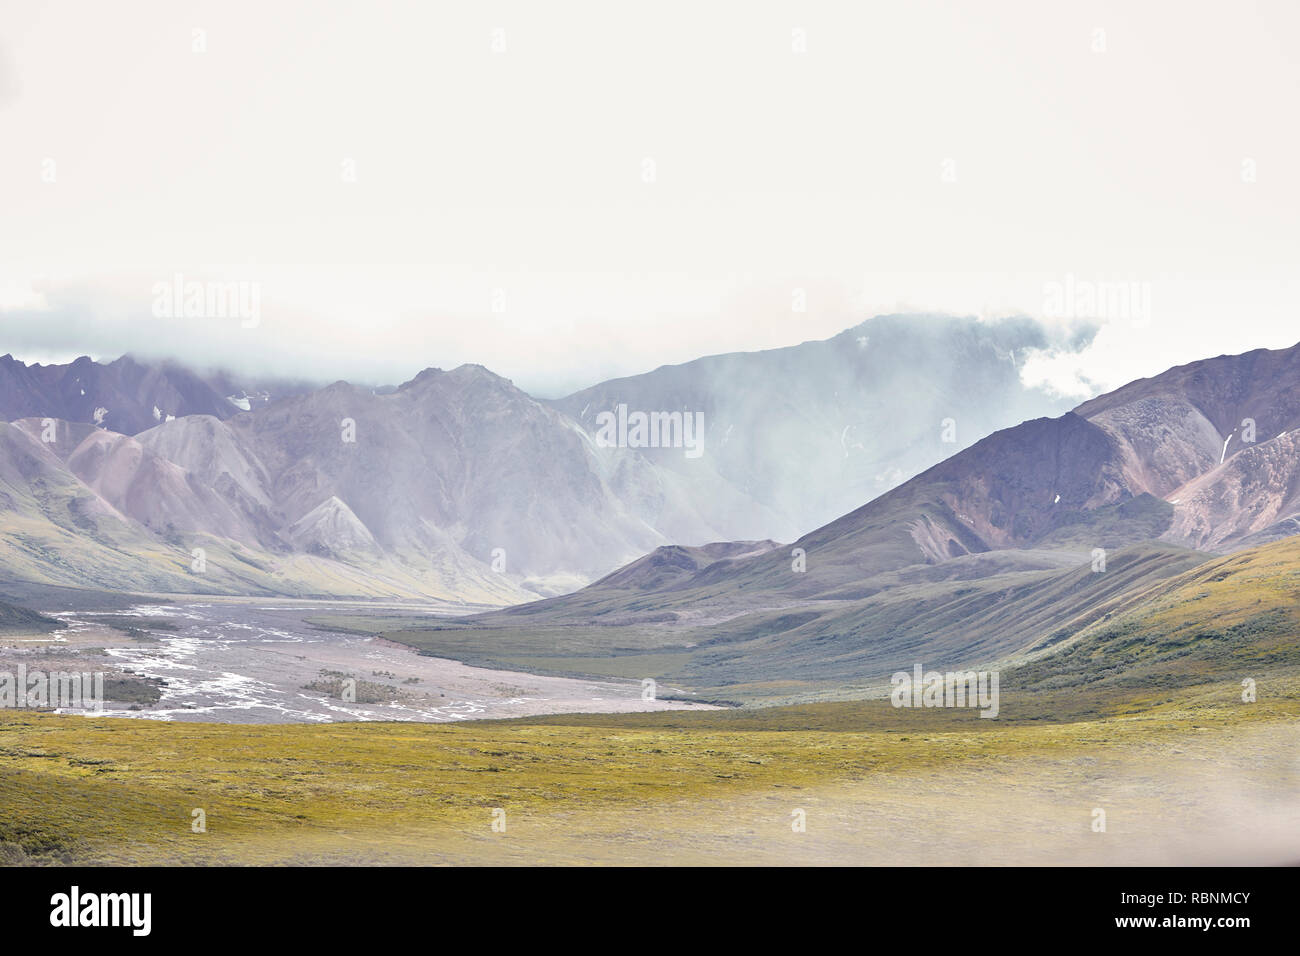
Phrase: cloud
{"type": "Point", "coordinates": [1058, 372]}
{"type": "Point", "coordinates": [558, 332]}
{"type": "Point", "coordinates": [551, 333]}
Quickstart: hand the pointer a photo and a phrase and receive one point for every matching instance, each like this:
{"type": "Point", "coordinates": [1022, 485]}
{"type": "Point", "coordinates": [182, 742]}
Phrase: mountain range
{"type": "Point", "coordinates": [1033, 536]}
{"type": "Point", "coordinates": [955, 536]}
{"type": "Point", "coordinates": [460, 486]}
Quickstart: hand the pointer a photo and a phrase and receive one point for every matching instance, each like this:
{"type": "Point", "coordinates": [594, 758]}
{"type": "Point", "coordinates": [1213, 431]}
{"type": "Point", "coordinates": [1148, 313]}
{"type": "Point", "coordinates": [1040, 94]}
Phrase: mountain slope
{"type": "Point", "coordinates": [59, 528]}
{"type": "Point", "coordinates": [457, 459]}
{"type": "Point", "coordinates": [1229, 618]}
{"type": "Point", "coordinates": [762, 650]}
{"type": "Point", "coordinates": [807, 433]}
{"type": "Point", "coordinates": [1251, 498]}
{"type": "Point", "coordinates": [1218, 440]}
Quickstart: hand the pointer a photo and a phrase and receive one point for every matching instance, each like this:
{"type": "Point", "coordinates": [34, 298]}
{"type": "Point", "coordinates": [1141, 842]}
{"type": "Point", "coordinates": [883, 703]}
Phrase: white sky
{"type": "Point", "coordinates": [521, 171]}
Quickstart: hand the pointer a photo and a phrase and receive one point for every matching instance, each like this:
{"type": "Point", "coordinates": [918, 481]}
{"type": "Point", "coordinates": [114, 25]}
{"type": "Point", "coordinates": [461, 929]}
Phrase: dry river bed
{"type": "Point", "coordinates": [260, 663]}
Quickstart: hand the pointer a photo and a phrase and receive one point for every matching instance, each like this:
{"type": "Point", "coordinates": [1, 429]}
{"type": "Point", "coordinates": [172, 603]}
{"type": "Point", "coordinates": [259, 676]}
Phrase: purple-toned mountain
{"type": "Point", "coordinates": [126, 395]}
{"type": "Point", "coordinates": [1203, 455]}
{"type": "Point", "coordinates": [460, 478]}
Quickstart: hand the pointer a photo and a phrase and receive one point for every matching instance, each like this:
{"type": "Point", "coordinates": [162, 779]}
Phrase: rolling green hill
{"type": "Point", "coordinates": [1226, 619]}
{"type": "Point", "coordinates": [813, 649]}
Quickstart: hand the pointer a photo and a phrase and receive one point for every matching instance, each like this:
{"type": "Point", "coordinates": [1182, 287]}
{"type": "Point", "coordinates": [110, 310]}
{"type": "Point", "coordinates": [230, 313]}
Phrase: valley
{"type": "Point", "coordinates": [241, 662]}
{"type": "Point", "coordinates": [404, 652]}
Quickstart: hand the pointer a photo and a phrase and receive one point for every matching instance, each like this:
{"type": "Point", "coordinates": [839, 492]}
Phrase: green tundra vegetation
{"type": "Point", "coordinates": [689, 786]}
{"type": "Point", "coordinates": [1160, 709]}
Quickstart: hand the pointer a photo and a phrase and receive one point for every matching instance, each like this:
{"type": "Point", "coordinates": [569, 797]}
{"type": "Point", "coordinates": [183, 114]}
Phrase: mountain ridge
{"type": "Point", "coordinates": [461, 466]}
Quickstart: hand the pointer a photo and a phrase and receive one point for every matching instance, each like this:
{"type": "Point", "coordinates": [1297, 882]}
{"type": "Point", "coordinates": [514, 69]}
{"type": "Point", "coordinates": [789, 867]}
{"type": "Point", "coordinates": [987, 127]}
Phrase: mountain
{"type": "Point", "coordinates": [451, 460]}
{"type": "Point", "coordinates": [456, 485]}
{"type": "Point", "coordinates": [804, 434]}
{"type": "Point", "coordinates": [157, 493]}
{"type": "Point", "coordinates": [126, 395]}
{"type": "Point", "coordinates": [1217, 439]}
{"type": "Point", "coordinates": [458, 479]}
{"type": "Point", "coordinates": [94, 509]}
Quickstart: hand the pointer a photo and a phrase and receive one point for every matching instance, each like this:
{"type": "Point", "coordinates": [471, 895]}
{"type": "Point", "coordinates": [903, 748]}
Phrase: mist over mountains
{"type": "Point", "coordinates": [1037, 536]}
{"type": "Point", "coordinates": [805, 434]}
{"type": "Point", "coordinates": [458, 485]}
{"type": "Point", "coordinates": [1203, 456]}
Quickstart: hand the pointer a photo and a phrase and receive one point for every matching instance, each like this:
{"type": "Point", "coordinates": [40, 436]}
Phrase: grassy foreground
{"type": "Point", "coordinates": [1137, 718]}
{"type": "Point", "coordinates": [671, 788]}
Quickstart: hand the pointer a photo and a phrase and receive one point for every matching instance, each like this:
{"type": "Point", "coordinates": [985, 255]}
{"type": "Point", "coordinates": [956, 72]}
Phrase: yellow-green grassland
{"type": "Point", "coordinates": [1134, 741]}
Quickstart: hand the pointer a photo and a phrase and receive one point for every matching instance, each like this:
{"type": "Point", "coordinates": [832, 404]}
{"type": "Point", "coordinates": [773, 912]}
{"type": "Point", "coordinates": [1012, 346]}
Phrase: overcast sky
{"type": "Point", "coordinates": [565, 192]}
